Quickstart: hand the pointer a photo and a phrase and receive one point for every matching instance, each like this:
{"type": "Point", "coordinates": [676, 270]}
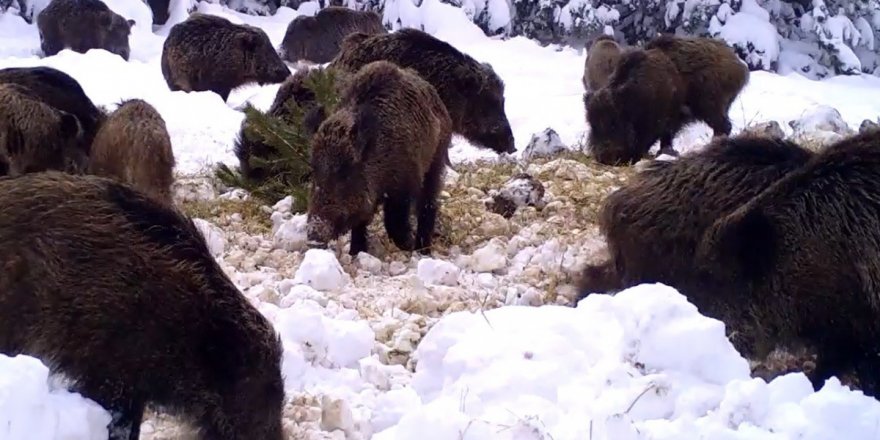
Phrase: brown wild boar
{"type": "Point", "coordinates": [81, 25]}
{"type": "Point", "coordinates": [385, 144]}
{"type": "Point", "coordinates": [602, 57]}
{"type": "Point", "coordinates": [802, 258]}
{"type": "Point", "coordinates": [655, 223]}
{"type": "Point", "coordinates": [133, 147]}
{"type": "Point", "coordinates": [35, 137]}
{"type": "Point", "coordinates": [642, 102]}
{"type": "Point", "coordinates": [59, 90]}
{"type": "Point", "coordinates": [318, 38]}
{"type": "Point", "coordinates": [207, 52]}
{"type": "Point", "coordinates": [119, 293]}
{"type": "Point", "coordinates": [713, 74]}
{"type": "Point", "coordinates": [472, 91]}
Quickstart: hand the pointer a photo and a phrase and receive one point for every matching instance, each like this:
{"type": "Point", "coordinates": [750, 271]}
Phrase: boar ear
{"type": "Point", "coordinates": [131, 23]}
{"type": "Point", "coordinates": [364, 131]}
{"type": "Point", "coordinates": [70, 127]}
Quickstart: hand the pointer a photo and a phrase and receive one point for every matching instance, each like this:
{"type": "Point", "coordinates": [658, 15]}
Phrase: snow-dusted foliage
{"type": "Point", "coordinates": [815, 38]}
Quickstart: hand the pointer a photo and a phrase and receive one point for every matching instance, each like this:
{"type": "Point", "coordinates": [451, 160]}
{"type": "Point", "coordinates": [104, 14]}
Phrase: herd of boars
{"type": "Point", "coordinates": [110, 284]}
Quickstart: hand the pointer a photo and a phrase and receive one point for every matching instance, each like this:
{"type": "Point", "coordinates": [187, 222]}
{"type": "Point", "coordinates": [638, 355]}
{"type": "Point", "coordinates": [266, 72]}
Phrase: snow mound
{"type": "Point", "coordinates": [321, 270]}
{"type": "Point", "coordinates": [32, 409]}
{"type": "Point", "coordinates": [546, 143]}
{"type": "Point", "coordinates": [821, 119]}
{"type": "Point", "coordinates": [641, 364]}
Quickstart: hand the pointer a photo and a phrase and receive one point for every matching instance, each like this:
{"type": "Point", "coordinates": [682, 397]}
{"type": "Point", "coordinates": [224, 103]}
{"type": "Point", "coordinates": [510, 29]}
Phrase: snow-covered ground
{"type": "Point", "coordinates": [641, 365]}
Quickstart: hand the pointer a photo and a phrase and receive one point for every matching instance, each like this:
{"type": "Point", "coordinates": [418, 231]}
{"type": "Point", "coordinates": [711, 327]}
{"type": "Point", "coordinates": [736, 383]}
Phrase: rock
{"type": "Point", "coordinates": [396, 268]}
{"type": "Point", "coordinates": [521, 190]}
{"type": "Point", "coordinates": [770, 129]}
{"type": "Point", "coordinates": [193, 190]}
{"type": "Point", "coordinates": [335, 414]}
{"type": "Point", "coordinates": [489, 258]}
{"type": "Point", "coordinates": [565, 169]}
{"type": "Point", "coordinates": [868, 125]}
{"type": "Point", "coordinates": [432, 271]}
{"type": "Point", "coordinates": [544, 144]}
{"type": "Point", "coordinates": [214, 236]}
{"type": "Point", "coordinates": [321, 270]}
{"type": "Point", "coordinates": [369, 263]}
{"type": "Point", "coordinates": [821, 118]}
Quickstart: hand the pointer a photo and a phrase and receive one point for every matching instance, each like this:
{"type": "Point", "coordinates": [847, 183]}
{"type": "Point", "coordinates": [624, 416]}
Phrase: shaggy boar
{"type": "Point", "coordinates": [35, 137]}
{"type": "Point", "coordinates": [292, 91]}
{"type": "Point", "coordinates": [654, 224]}
{"type": "Point", "coordinates": [120, 293]}
{"type": "Point", "coordinates": [59, 90]}
{"type": "Point", "coordinates": [713, 73]}
{"type": "Point", "coordinates": [317, 39]}
{"type": "Point", "coordinates": [804, 259]}
{"type": "Point", "coordinates": [472, 92]}
{"type": "Point", "coordinates": [81, 25]}
{"type": "Point", "coordinates": [642, 102]}
{"type": "Point", "coordinates": [386, 143]}
{"type": "Point", "coordinates": [207, 52]}
{"type": "Point", "coordinates": [133, 146]}
{"type": "Point", "coordinates": [602, 57]}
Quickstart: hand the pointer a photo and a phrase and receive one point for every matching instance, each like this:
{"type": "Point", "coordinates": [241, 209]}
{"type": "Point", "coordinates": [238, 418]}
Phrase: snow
{"type": "Point", "coordinates": [642, 364]}
{"type": "Point", "coordinates": [32, 407]}
{"type": "Point", "coordinates": [638, 365]}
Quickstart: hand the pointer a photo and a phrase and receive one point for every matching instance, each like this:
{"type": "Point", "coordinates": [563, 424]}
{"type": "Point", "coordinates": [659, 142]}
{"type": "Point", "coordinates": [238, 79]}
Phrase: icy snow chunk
{"type": "Point", "coordinates": [432, 271]}
{"type": "Point", "coordinates": [321, 270]}
{"type": "Point", "coordinates": [297, 292]}
{"type": "Point", "coordinates": [31, 409]}
{"type": "Point", "coordinates": [289, 234]}
{"type": "Point", "coordinates": [546, 143]}
{"type": "Point", "coordinates": [214, 236]}
{"type": "Point", "coordinates": [489, 258]}
{"type": "Point", "coordinates": [821, 118]}
{"type": "Point", "coordinates": [520, 190]}
{"type": "Point", "coordinates": [321, 339]}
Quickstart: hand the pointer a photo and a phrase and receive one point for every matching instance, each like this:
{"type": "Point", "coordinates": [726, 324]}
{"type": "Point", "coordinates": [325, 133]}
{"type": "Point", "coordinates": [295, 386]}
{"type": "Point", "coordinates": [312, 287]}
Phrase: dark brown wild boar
{"type": "Point", "coordinates": [207, 52]}
{"type": "Point", "coordinates": [655, 223]}
{"type": "Point", "coordinates": [472, 91]}
{"type": "Point", "coordinates": [385, 144]}
{"type": "Point", "coordinates": [803, 261]}
{"type": "Point", "coordinates": [318, 38]}
{"type": "Point", "coordinates": [61, 91]}
{"type": "Point", "coordinates": [35, 137]}
{"type": "Point", "coordinates": [133, 147]}
{"type": "Point", "coordinates": [120, 294]}
{"type": "Point", "coordinates": [81, 25]}
{"type": "Point", "coordinates": [713, 75]}
{"type": "Point", "coordinates": [642, 103]}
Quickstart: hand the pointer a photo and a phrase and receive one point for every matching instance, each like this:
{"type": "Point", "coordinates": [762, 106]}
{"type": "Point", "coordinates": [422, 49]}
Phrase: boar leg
{"type": "Point", "coordinates": [126, 422]}
{"type": "Point", "coordinates": [358, 239]}
{"type": "Point", "coordinates": [666, 145]}
{"type": "Point", "coordinates": [427, 208]}
{"type": "Point", "coordinates": [397, 224]}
